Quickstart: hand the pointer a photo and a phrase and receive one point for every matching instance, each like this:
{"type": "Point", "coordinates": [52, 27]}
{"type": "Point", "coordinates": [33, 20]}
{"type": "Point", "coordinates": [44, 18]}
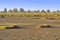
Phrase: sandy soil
{"type": "Point", "coordinates": [29, 33]}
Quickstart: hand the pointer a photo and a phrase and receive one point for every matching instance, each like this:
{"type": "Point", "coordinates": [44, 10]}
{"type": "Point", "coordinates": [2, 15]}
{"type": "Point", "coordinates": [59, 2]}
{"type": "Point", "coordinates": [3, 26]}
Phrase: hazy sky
{"type": "Point", "coordinates": [30, 4]}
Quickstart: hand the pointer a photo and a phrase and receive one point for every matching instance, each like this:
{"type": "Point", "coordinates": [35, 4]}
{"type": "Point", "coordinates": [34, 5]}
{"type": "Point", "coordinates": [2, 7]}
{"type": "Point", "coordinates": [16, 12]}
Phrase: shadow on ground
{"type": "Point", "coordinates": [17, 27]}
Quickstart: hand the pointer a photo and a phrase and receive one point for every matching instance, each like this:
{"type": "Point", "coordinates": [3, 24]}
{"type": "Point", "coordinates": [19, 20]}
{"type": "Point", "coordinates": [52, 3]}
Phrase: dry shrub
{"type": "Point", "coordinates": [2, 15]}
{"type": "Point", "coordinates": [10, 15]}
{"type": "Point", "coordinates": [28, 15]}
{"type": "Point", "coordinates": [43, 26]}
{"type": "Point", "coordinates": [14, 27]}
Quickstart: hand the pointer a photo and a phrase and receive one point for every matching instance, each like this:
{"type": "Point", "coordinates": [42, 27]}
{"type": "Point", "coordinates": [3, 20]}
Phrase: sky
{"type": "Point", "coordinates": [30, 4]}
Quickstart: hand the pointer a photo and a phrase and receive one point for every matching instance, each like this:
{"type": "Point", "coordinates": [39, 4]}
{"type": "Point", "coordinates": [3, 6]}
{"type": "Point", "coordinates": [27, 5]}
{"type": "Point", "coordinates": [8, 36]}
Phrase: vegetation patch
{"type": "Point", "coordinates": [3, 27]}
{"type": "Point", "coordinates": [43, 26]}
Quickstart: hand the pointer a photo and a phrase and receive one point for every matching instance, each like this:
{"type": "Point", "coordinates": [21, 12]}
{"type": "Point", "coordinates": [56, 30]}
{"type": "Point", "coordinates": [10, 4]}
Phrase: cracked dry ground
{"type": "Point", "coordinates": [30, 34]}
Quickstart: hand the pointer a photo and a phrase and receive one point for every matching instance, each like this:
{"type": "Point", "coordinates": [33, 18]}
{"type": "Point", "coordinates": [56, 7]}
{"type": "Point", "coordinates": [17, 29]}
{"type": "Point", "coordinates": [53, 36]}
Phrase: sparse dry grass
{"type": "Point", "coordinates": [3, 27]}
{"type": "Point", "coordinates": [31, 15]}
{"type": "Point", "coordinates": [29, 33]}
